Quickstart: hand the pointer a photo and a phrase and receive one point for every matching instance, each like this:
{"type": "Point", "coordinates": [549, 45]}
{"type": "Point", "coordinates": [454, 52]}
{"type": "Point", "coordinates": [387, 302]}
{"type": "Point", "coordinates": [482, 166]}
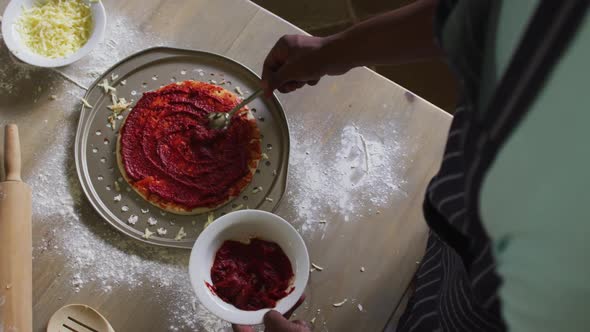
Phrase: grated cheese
{"type": "Point", "coordinates": [119, 105]}
{"type": "Point", "coordinates": [317, 267]}
{"type": "Point", "coordinates": [147, 234]}
{"type": "Point", "coordinates": [180, 235]}
{"type": "Point", "coordinates": [85, 103]}
{"type": "Point", "coordinates": [210, 219]}
{"type": "Point", "coordinates": [55, 28]}
{"type": "Point", "coordinates": [339, 304]}
{"type": "Point", "coordinates": [106, 86]}
{"type": "Point", "coordinates": [132, 219]}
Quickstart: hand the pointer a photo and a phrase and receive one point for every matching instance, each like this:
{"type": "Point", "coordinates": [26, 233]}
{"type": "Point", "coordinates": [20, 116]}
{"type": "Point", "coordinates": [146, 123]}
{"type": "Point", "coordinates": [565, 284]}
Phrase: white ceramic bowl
{"type": "Point", "coordinates": [241, 226]}
{"type": "Point", "coordinates": [21, 51]}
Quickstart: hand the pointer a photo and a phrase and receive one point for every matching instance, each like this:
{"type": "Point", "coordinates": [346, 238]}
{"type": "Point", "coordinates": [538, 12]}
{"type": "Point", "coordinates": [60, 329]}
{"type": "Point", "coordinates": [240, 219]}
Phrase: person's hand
{"type": "Point", "coordinates": [296, 60]}
{"type": "Point", "coordinates": [275, 322]}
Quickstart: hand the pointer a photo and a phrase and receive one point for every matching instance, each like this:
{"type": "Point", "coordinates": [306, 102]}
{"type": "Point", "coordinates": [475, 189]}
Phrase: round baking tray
{"type": "Point", "coordinates": [96, 141]}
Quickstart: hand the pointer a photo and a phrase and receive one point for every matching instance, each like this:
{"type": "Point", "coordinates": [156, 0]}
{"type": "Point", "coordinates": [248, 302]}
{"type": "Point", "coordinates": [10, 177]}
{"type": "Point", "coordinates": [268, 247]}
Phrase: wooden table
{"type": "Point", "coordinates": [387, 243]}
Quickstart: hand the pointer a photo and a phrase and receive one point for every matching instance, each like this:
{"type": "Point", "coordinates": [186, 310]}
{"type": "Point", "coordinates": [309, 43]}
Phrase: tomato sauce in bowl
{"type": "Point", "coordinates": [251, 276]}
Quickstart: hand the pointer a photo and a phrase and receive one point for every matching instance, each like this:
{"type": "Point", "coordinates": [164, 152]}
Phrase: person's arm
{"type": "Point", "coordinates": [400, 36]}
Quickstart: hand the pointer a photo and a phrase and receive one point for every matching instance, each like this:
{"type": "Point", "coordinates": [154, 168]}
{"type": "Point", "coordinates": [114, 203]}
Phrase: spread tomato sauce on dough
{"type": "Point", "coordinates": [251, 276]}
{"type": "Point", "coordinates": [171, 155]}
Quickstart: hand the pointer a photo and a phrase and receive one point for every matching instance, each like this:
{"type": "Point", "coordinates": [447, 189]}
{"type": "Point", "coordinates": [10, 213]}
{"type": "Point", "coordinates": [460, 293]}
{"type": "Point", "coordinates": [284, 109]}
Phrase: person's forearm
{"type": "Point", "coordinates": [400, 36]}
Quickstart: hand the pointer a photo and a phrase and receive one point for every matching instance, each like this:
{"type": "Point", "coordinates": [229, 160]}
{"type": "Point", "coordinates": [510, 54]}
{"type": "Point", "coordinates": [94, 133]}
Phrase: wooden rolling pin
{"type": "Point", "coordinates": [16, 265]}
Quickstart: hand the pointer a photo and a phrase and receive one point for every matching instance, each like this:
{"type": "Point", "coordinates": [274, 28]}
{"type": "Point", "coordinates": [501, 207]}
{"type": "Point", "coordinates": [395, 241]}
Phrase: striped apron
{"type": "Point", "coordinates": [456, 285]}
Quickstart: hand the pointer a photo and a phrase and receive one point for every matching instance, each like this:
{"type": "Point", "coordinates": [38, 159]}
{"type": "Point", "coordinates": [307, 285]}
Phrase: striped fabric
{"type": "Point", "coordinates": [456, 285]}
{"type": "Point", "coordinates": [447, 297]}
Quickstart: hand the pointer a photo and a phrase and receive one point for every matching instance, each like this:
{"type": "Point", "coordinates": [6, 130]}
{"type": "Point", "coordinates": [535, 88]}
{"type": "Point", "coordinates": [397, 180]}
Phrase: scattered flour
{"type": "Point", "coordinates": [351, 175]}
{"type": "Point", "coordinates": [13, 73]}
{"type": "Point", "coordinates": [100, 258]}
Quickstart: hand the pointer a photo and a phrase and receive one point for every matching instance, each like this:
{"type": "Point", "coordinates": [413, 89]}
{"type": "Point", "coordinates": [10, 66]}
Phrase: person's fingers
{"type": "Point", "coordinates": [286, 88]}
{"type": "Point", "coordinates": [266, 88]}
{"type": "Point", "coordinates": [276, 56]}
{"type": "Point", "coordinates": [274, 60]}
{"type": "Point", "coordinates": [287, 73]}
{"type": "Point", "coordinates": [274, 321]}
{"type": "Point", "coordinates": [290, 86]}
{"type": "Point", "coordinates": [297, 304]}
{"type": "Point", "coordinates": [242, 328]}
{"type": "Point", "coordinates": [302, 323]}
{"type": "Point", "coordinates": [299, 85]}
{"type": "Point", "coordinates": [291, 60]}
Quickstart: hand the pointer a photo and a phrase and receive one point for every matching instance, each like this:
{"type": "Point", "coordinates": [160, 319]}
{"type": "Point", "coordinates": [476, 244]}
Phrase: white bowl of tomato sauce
{"type": "Point", "coordinates": [246, 263]}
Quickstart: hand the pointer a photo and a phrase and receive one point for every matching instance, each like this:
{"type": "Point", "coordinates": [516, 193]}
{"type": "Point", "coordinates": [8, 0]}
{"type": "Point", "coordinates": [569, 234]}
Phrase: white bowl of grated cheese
{"type": "Point", "coordinates": [52, 33]}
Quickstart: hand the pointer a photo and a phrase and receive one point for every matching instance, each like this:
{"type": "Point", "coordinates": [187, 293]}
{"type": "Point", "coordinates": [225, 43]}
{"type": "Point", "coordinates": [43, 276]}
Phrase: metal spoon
{"type": "Point", "coordinates": [78, 317]}
{"type": "Point", "coordinates": [220, 120]}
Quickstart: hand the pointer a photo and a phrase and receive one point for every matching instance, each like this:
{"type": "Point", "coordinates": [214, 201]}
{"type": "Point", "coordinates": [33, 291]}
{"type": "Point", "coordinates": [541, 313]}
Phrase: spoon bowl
{"type": "Point", "coordinates": [221, 120]}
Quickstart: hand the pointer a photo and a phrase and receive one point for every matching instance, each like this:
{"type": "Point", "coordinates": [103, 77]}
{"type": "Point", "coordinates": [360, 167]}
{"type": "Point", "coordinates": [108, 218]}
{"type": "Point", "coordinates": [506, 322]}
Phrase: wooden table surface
{"type": "Point", "coordinates": [387, 238]}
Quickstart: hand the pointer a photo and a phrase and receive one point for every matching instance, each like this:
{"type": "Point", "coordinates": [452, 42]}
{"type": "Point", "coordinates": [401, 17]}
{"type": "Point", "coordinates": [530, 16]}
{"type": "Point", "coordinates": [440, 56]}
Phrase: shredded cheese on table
{"type": "Point", "coordinates": [210, 219]}
{"type": "Point", "coordinates": [85, 103]}
{"type": "Point", "coordinates": [180, 235]}
{"type": "Point", "coordinates": [148, 234]}
{"type": "Point", "coordinates": [339, 304]}
{"type": "Point", "coordinates": [317, 267]}
{"type": "Point", "coordinates": [55, 28]}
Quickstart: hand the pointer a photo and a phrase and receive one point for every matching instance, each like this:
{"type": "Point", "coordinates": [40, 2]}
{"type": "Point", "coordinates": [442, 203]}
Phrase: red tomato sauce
{"type": "Point", "coordinates": [170, 153]}
{"type": "Point", "coordinates": [251, 276]}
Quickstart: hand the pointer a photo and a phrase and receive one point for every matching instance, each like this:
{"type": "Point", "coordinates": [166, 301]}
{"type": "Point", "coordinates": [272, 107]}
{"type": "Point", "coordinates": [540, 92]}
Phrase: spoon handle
{"type": "Point", "coordinates": [245, 102]}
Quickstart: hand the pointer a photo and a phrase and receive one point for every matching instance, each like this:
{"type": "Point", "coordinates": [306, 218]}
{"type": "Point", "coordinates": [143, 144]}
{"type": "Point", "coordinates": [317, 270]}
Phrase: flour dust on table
{"type": "Point", "coordinates": [327, 178]}
{"type": "Point", "coordinates": [14, 73]}
{"type": "Point", "coordinates": [101, 257]}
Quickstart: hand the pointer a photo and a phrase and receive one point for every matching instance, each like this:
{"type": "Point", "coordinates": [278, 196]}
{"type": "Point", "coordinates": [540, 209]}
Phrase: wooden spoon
{"type": "Point", "coordinates": [78, 318]}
